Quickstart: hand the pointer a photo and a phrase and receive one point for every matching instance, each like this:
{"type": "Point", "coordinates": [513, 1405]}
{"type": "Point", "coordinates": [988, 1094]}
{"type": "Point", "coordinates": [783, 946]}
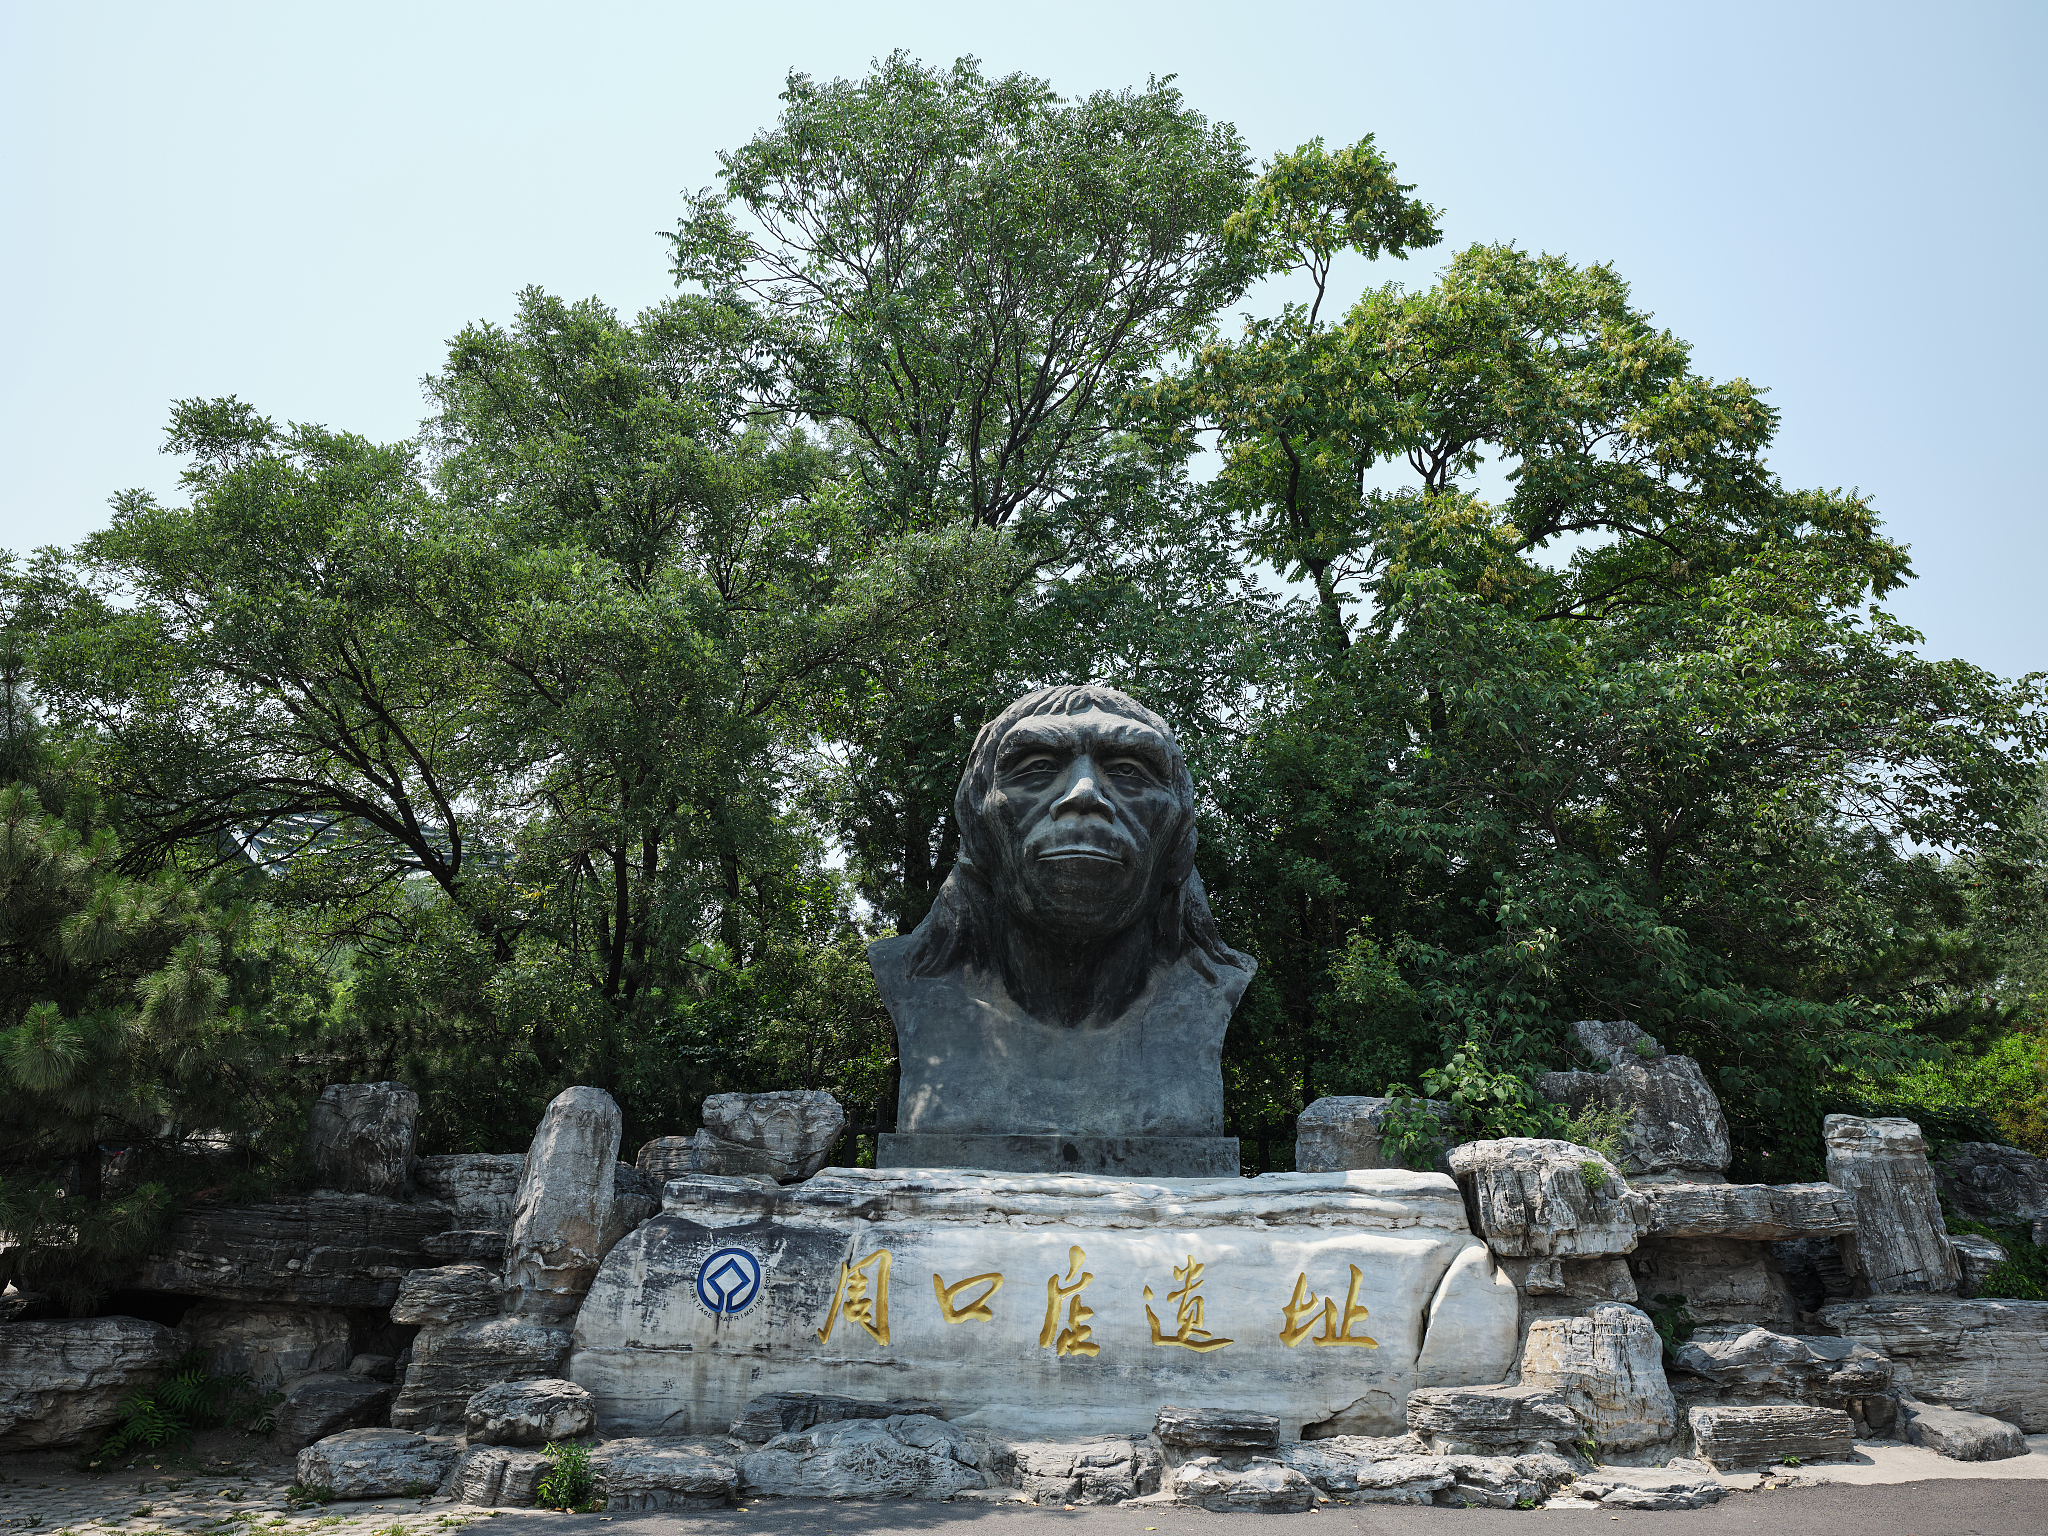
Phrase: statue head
{"type": "Point", "coordinates": [1076, 818]}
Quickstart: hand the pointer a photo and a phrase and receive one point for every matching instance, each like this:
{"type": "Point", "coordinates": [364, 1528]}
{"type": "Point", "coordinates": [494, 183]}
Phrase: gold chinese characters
{"type": "Point", "coordinates": [863, 1295]}
{"type": "Point", "coordinates": [953, 1310]}
{"type": "Point", "coordinates": [1299, 1315]}
{"type": "Point", "coordinates": [1187, 1315]}
{"type": "Point", "coordinates": [1074, 1338]}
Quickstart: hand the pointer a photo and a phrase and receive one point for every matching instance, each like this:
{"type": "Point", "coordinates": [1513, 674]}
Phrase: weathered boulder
{"type": "Point", "coordinates": [565, 1196]}
{"type": "Point", "coordinates": [329, 1250]}
{"type": "Point", "coordinates": [497, 1475]}
{"type": "Point", "coordinates": [1489, 1420]}
{"type": "Point", "coordinates": [1959, 1435]}
{"type": "Point", "coordinates": [1107, 1470]}
{"type": "Point", "coordinates": [1976, 1256]}
{"type": "Point", "coordinates": [530, 1412]}
{"type": "Point", "coordinates": [467, 1245]}
{"type": "Point", "coordinates": [1761, 1436]}
{"type": "Point", "coordinates": [378, 1463]}
{"type": "Point", "coordinates": [663, 1474]}
{"type": "Point", "coordinates": [1723, 1280]}
{"type": "Point", "coordinates": [1370, 1469]}
{"type": "Point", "coordinates": [1262, 1485]}
{"type": "Point", "coordinates": [1608, 1367]}
{"type": "Point", "coordinates": [1900, 1246]}
{"type": "Point", "coordinates": [787, 1413]}
{"type": "Point", "coordinates": [1759, 1363]}
{"type": "Point", "coordinates": [1610, 1494]}
{"type": "Point", "coordinates": [1988, 1182]}
{"type": "Point", "coordinates": [663, 1158]}
{"type": "Point", "coordinates": [1751, 1212]}
{"type": "Point", "coordinates": [635, 1197]}
{"type": "Point", "coordinates": [479, 1187]}
{"type": "Point", "coordinates": [267, 1342]}
{"type": "Point", "coordinates": [1601, 1279]}
{"type": "Point", "coordinates": [326, 1403]}
{"type": "Point", "coordinates": [795, 1127]}
{"type": "Point", "coordinates": [1502, 1482]}
{"type": "Point", "coordinates": [1676, 1126]}
{"type": "Point", "coordinates": [452, 1362]}
{"type": "Point", "coordinates": [705, 1153]}
{"type": "Point", "coordinates": [1343, 1131]}
{"type": "Point", "coordinates": [911, 1456]}
{"type": "Point", "coordinates": [1987, 1356]}
{"type": "Point", "coordinates": [1225, 1432]}
{"type": "Point", "coordinates": [1536, 1198]}
{"type": "Point", "coordinates": [64, 1379]}
{"type": "Point", "coordinates": [360, 1138]}
{"type": "Point", "coordinates": [374, 1367]}
{"type": "Point", "coordinates": [452, 1293]}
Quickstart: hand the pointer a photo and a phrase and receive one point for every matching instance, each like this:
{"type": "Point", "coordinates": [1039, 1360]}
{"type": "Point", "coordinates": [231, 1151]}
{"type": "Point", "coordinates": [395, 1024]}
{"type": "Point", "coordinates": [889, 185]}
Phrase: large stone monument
{"type": "Point", "coordinates": [1062, 1007]}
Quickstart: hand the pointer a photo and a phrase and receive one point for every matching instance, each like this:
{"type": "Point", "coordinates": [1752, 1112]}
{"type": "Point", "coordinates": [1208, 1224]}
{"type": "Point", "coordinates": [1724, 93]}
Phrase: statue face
{"type": "Point", "coordinates": [1079, 806]}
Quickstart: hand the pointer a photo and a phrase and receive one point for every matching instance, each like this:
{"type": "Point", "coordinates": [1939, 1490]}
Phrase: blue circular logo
{"type": "Point", "coordinates": [728, 1282]}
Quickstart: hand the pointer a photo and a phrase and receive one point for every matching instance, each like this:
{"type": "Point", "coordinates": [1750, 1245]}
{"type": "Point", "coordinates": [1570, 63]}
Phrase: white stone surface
{"type": "Point", "coordinates": [1273, 1262]}
{"type": "Point", "coordinates": [1608, 1365]}
{"type": "Point", "coordinates": [913, 1456]}
{"type": "Point", "coordinates": [642, 1474]}
{"type": "Point", "coordinates": [1960, 1435]}
{"type": "Point", "coordinates": [1540, 1198]}
{"type": "Point", "coordinates": [565, 1196]}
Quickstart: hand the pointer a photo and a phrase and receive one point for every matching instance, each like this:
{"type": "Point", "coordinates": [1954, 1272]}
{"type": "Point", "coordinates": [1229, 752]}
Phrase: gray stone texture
{"type": "Point", "coordinates": [1611, 1494]}
{"type": "Point", "coordinates": [1529, 1198]}
{"type": "Point", "coordinates": [326, 1403]}
{"type": "Point", "coordinates": [1988, 1182]}
{"type": "Point", "coordinates": [378, 1463]}
{"type": "Point", "coordinates": [1900, 1246]}
{"type": "Point", "coordinates": [452, 1362]}
{"type": "Point", "coordinates": [479, 1187]}
{"type": "Point", "coordinates": [1492, 1420]}
{"type": "Point", "coordinates": [664, 1158]}
{"type": "Point", "coordinates": [634, 1475]}
{"type": "Point", "coordinates": [1751, 1212]}
{"type": "Point", "coordinates": [268, 1342]}
{"type": "Point", "coordinates": [910, 1456]}
{"type": "Point", "coordinates": [1976, 1256]}
{"type": "Point", "coordinates": [796, 1127]}
{"type": "Point", "coordinates": [451, 1293]}
{"type": "Point", "coordinates": [1601, 1279]}
{"type": "Point", "coordinates": [330, 1250]}
{"type": "Point", "coordinates": [1733, 1438]}
{"type": "Point", "coordinates": [493, 1476]}
{"type": "Point", "coordinates": [1105, 1470]}
{"type": "Point", "coordinates": [1608, 1367]}
{"type": "Point", "coordinates": [1136, 1157]}
{"type": "Point", "coordinates": [359, 1138]}
{"type": "Point", "coordinates": [635, 1197]}
{"type": "Point", "coordinates": [1987, 1356]}
{"type": "Point", "coordinates": [532, 1412]}
{"type": "Point", "coordinates": [788, 1413]}
{"type": "Point", "coordinates": [1960, 1435]}
{"type": "Point", "coordinates": [1342, 1131]}
{"type": "Point", "coordinates": [706, 1153]}
{"type": "Point", "coordinates": [1365, 1469]}
{"type": "Point", "coordinates": [1262, 1485]}
{"type": "Point", "coordinates": [64, 1380]}
{"type": "Point", "coordinates": [1216, 1431]}
{"type": "Point", "coordinates": [1758, 1363]}
{"type": "Point", "coordinates": [1723, 1280]}
{"type": "Point", "coordinates": [558, 1224]}
{"type": "Point", "coordinates": [374, 1367]}
{"type": "Point", "coordinates": [468, 1245]}
{"type": "Point", "coordinates": [1676, 1126]}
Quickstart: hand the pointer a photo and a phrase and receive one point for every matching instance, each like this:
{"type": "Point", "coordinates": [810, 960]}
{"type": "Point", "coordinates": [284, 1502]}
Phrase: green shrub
{"type": "Point", "coordinates": [568, 1484]}
{"type": "Point", "coordinates": [188, 1400]}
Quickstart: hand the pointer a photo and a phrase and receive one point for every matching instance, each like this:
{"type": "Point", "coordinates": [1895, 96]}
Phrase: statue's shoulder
{"type": "Point", "coordinates": [889, 958]}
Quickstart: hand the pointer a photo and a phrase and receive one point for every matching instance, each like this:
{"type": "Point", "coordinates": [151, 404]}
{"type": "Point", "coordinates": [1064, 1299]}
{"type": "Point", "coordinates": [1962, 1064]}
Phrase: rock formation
{"type": "Point", "coordinates": [1899, 1246]}
{"type": "Point", "coordinates": [360, 1138]}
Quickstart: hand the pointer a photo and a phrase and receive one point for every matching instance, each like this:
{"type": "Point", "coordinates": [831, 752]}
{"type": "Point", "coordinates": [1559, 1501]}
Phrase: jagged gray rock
{"type": "Point", "coordinates": [1368, 1469]}
{"type": "Point", "coordinates": [1900, 1246]}
{"type": "Point", "coordinates": [1106, 1470]}
{"type": "Point", "coordinates": [1501, 1482]}
{"type": "Point", "coordinates": [1757, 1362]}
{"type": "Point", "coordinates": [378, 1463]}
{"type": "Point", "coordinates": [1601, 1279]}
{"type": "Point", "coordinates": [565, 1197]}
{"type": "Point", "coordinates": [1813, 1269]}
{"type": "Point", "coordinates": [1483, 1420]}
{"type": "Point", "coordinates": [480, 1188]}
{"type": "Point", "coordinates": [1217, 1431]}
{"type": "Point", "coordinates": [326, 1403]}
{"type": "Point", "coordinates": [1262, 1485]}
{"type": "Point", "coordinates": [531, 1412]}
{"type": "Point", "coordinates": [1960, 1435]}
{"type": "Point", "coordinates": [468, 1245]}
{"type": "Point", "coordinates": [1618, 1495]}
{"type": "Point", "coordinates": [642, 1474]}
{"type": "Point", "coordinates": [911, 1456]}
{"type": "Point", "coordinates": [1342, 1131]}
{"type": "Point", "coordinates": [496, 1475]}
{"type": "Point", "coordinates": [1976, 1256]}
{"type": "Point", "coordinates": [1676, 1125]}
{"type": "Point", "coordinates": [788, 1413]}
{"type": "Point", "coordinates": [1530, 1198]}
{"type": "Point", "coordinates": [1608, 1367]}
{"type": "Point", "coordinates": [374, 1367]}
{"type": "Point", "coordinates": [1988, 1182]}
{"type": "Point", "coordinates": [795, 1127]}
{"type": "Point", "coordinates": [1752, 1212]}
{"type": "Point", "coordinates": [635, 1197]}
{"type": "Point", "coordinates": [452, 1362]}
{"type": "Point", "coordinates": [1723, 1280]}
{"type": "Point", "coordinates": [322, 1250]}
{"type": "Point", "coordinates": [359, 1138]}
{"type": "Point", "coordinates": [64, 1379]}
{"type": "Point", "coordinates": [1730, 1438]}
{"type": "Point", "coordinates": [706, 1153]}
{"type": "Point", "coordinates": [452, 1293]}
{"type": "Point", "coordinates": [664, 1158]}
{"type": "Point", "coordinates": [1984, 1355]}
{"type": "Point", "coordinates": [268, 1342]}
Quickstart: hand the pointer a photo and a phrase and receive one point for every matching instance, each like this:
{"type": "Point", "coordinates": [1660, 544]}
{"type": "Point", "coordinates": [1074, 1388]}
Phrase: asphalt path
{"type": "Point", "coordinates": [1948, 1507]}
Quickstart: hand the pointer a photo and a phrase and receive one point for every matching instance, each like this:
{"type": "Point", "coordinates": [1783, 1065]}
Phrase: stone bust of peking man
{"type": "Point", "coordinates": [1069, 985]}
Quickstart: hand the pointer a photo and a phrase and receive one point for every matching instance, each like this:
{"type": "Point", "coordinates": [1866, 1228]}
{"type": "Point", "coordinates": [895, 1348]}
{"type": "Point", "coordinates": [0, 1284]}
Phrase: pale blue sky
{"type": "Point", "coordinates": [299, 204]}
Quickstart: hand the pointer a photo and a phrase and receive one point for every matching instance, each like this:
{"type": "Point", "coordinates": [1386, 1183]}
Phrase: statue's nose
{"type": "Point", "coordinates": [1083, 793]}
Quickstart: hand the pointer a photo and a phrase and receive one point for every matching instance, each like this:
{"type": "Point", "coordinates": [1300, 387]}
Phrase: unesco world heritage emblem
{"type": "Point", "coordinates": [728, 1282]}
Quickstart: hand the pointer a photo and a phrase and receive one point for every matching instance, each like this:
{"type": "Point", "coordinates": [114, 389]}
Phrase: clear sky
{"type": "Point", "coordinates": [299, 204]}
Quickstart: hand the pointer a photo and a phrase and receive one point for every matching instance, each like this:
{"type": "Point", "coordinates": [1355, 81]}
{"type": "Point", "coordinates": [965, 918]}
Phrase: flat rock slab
{"type": "Point", "coordinates": [1734, 1438]}
{"type": "Point", "coordinates": [321, 1249]}
{"type": "Point", "coordinates": [1107, 1470]}
{"type": "Point", "coordinates": [64, 1380]}
{"type": "Point", "coordinates": [1537, 1198]}
{"type": "Point", "coordinates": [326, 1403]}
{"type": "Point", "coordinates": [449, 1293]}
{"type": "Point", "coordinates": [1753, 1212]}
{"type": "Point", "coordinates": [1022, 1301]}
{"type": "Point", "coordinates": [1961, 1435]}
{"type": "Point", "coordinates": [1760, 1362]}
{"type": "Point", "coordinates": [1261, 1486]}
{"type": "Point", "coordinates": [1492, 1416]}
{"type": "Point", "coordinates": [1983, 1355]}
{"type": "Point", "coordinates": [643, 1474]}
{"type": "Point", "coordinates": [378, 1463]}
{"type": "Point", "coordinates": [784, 1413]}
{"type": "Point", "coordinates": [913, 1456]}
{"type": "Point", "coordinates": [532, 1412]}
{"type": "Point", "coordinates": [1218, 1431]}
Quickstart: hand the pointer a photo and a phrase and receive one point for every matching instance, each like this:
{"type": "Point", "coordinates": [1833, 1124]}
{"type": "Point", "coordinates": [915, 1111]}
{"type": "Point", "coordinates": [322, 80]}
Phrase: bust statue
{"type": "Point", "coordinates": [1062, 1007]}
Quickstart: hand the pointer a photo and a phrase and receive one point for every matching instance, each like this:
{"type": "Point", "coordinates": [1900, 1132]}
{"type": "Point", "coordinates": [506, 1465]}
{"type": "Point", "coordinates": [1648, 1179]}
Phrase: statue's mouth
{"type": "Point", "coordinates": [1101, 855]}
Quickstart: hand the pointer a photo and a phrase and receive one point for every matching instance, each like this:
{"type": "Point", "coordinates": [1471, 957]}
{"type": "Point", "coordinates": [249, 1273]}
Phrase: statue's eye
{"type": "Point", "coordinates": [1127, 768]}
{"type": "Point", "coordinates": [1035, 766]}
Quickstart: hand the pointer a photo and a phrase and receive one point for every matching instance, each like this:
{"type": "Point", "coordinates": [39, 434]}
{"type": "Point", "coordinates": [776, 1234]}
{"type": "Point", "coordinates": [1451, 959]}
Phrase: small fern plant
{"type": "Point", "coordinates": [569, 1484]}
{"type": "Point", "coordinates": [188, 1400]}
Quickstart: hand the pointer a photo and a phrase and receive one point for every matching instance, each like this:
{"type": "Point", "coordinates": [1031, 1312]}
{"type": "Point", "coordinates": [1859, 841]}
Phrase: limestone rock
{"type": "Point", "coordinates": [360, 1138]}
{"type": "Point", "coordinates": [1602, 1279]}
{"type": "Point", "coordinates": [788, 1413]}
{"type": "Point", "coordinates": [452, 1362]}
{"type": "Point", "coordinates": [910, 1456]}
{"type": "Point", "coordinates": [663, 1474]}
{"type": "Point", "coordinates": [1484, 1419]}
{"type": "Point", "coordinates": [1962, 1436]}
{"type": "Point", "coordinates": [1530, 1198]}
{"type": "Point", "coordinates": [1608, 1367]}
{"type": "Point", "coordinates": [1813, 1270]}
{"type": "Point", "coordinates": [1364, 1468]}
{"type": "Point", "coordinates": [378, 1463]}
{"type": "Point", "coordinates": [1502, 1482]}
{"type": "Point", "coordinates": [479, 1187]}
{"type": "Point", "coordinates": [797, 1128]}
{"type": "Point", "coordinates": [1471, 1330]}
{"type": "Point", "coordinates": [63, 1380]}
{"type": "Point", "coordinates": [1752, 1212]}
{"type": "Point", "coordinates": [1262, 1485]}
{"type": "Point", "coordinates": [452, 1293]}
{"type": "Point", "coordinates": [1987, 1356]}
{"type": "Point", "coordinates": [1618, 1495]}
{"type": "Point", "coordinates": [1977, 1256]}
{"type": "Point", "coordinates": [1761, 1436]}
{"type": "Point", "coordinates": [1343, 1131]}
{"type": "Point", "coordinates": [635, 1197]}
{"type": "Point", "coordinates": [705, 1153]}
{"type": "Point", "coordinates": [1676, 1124]}
{"type": "Point", "coordinates": [1899, 1246]}
{"type": "Point", "coordinates": [374, 1367]}
{"type": "Point", "coordinates": [1989, 1182]}
{"type": "Point", "coordinates": [467, 1245]}
{"type": "Point", "coordinates": [496, 1475]}
{"type": "Point", "coordinates": [565, 1196]}
{"type": "Point", "coordinates": [530, 1412]}
{"type": "Point", "coordinates": [267, 1342]}
{"type": "Point", "coordinates": [1216, 1431]}
{"type": "Point", "coordinates": [1759, 1363]}
{"type": "Point", "coordinates": [322, 1249]}
{"type": "Point", "coordinates": [326, 1403]}
{"type": "Point", "coordinates": [1107, 1470]}
{"type": "Point", "coordinates": [1723, 1280]}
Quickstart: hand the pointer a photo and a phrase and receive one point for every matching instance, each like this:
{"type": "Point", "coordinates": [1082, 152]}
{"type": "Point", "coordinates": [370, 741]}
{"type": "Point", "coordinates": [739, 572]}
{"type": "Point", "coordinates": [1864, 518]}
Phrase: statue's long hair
{"type": "Point", "coordinates": [959, 929]}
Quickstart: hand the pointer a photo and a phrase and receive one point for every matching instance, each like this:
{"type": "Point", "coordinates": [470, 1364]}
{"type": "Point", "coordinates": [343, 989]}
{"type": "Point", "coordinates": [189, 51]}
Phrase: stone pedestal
{"type": "Point", "coordinates": [1034, 1303]}
{"type": "Point", "coordinates": [1123, 1157]}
